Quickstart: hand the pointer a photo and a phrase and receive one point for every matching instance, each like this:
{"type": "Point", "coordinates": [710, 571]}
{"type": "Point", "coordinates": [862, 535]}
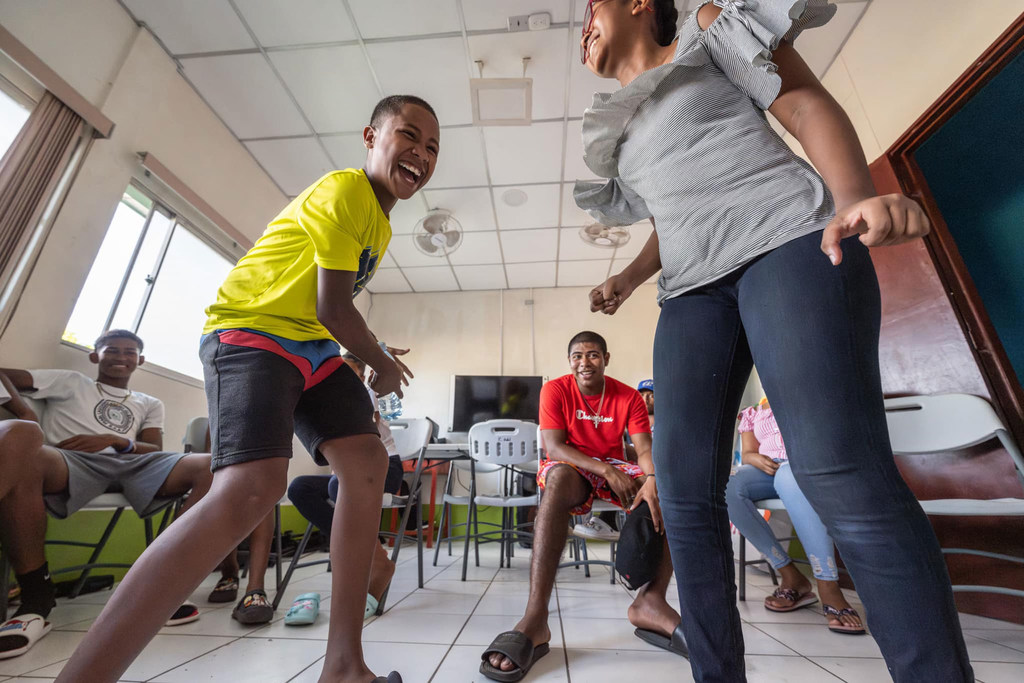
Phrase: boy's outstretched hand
{"type": "Point", "coordinates": [390, 378]}
{"type": "Point", "coordinates": [612, 293]}
{"type": "Point", "coordinates": [880, 222]}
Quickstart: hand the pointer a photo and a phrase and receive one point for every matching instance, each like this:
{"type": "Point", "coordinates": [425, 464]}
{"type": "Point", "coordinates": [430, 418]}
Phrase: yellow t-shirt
{"type": "Point", "coordinates": [336, 224]}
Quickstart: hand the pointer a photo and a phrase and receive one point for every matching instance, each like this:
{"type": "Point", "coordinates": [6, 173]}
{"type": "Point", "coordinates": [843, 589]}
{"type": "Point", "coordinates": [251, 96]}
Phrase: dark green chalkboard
{"type": "Point", "coordinates": [974, 166]}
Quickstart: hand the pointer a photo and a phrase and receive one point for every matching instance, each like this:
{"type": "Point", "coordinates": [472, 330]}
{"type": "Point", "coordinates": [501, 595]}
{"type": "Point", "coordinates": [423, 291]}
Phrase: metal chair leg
{"type": "Point", "coordinates": [277, 541]}
{"type": "Point", "coordinates": [282, 584]}
{"type": "Point", "coordinates": [440, 530]}
{"type": "Point", "coordinates": [80, 584]}
{"type": "Point", "coordinates": [743, 568]}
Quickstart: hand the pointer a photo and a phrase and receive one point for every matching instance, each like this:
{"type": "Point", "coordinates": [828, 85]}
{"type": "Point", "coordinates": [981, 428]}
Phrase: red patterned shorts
{"type": "Point", "coordinates": [598, 486]}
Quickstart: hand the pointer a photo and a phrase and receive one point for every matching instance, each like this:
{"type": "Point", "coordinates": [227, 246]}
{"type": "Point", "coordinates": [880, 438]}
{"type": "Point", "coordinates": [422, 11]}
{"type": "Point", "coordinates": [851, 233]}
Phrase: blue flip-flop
{"type": "Point", "coordinates": [304, 610]}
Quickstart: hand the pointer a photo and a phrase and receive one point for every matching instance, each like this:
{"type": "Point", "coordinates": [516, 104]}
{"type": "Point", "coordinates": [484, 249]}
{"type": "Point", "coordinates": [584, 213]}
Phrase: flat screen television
{"type": "Point", "coordinates": [478, 398]}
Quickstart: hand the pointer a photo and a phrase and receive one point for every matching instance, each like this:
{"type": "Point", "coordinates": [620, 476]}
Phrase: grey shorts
{"type": "Point", "coordinates": [137, 476]}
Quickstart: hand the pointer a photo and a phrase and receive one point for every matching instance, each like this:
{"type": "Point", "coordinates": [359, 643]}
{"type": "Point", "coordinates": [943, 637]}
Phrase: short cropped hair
{"type": "Point", "coordinates": [588, 337]}
{"type": "Point", "coordinates": [110, 335]}
{"type": "Point", "coordinates": [392, 105]}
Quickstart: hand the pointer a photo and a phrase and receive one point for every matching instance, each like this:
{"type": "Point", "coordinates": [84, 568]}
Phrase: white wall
{"type": "Point", "coordinates": [903, 55]}
{"type": "Point", "coordinates": [120, 68]}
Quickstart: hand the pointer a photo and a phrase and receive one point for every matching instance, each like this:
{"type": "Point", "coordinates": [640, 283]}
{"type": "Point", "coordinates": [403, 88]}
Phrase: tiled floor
{"type": "Point", "coordinates": [437, 633]}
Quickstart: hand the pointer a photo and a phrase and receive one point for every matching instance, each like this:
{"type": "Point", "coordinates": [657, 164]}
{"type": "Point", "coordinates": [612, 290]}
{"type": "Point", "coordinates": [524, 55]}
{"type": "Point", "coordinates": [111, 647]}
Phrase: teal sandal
{"type": "Point", "coordinates": [304, 610]}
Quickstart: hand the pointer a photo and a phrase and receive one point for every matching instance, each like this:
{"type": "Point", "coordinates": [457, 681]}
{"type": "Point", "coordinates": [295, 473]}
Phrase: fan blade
{"type": "Point", "coordinates": [453, 238]}
{"type": "Point", "coordinates": [424, 243]}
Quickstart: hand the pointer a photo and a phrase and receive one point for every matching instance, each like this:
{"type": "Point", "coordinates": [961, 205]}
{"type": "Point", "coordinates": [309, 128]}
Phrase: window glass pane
{"type": "Point", "coordinates": [187, 283]}
{"type": "Point", "coordinates": [13, 115]}
{"type": "Point", "coordinates": [145, 266]}
{"type": "Point", "coordinates": [97, 295]}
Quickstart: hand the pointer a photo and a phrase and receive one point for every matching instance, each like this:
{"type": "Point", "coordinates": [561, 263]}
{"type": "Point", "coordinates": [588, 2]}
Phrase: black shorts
{"type": "Point", "coordinates": [258, 398]}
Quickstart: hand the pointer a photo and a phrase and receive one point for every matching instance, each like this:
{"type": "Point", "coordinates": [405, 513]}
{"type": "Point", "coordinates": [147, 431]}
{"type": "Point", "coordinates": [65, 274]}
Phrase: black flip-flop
{"type": "Point", "coordinates": [676, 644]}
{"type": "Point", "coordinates": [518, 648]}
{"type": "Point", "coordinates": [393, 677]}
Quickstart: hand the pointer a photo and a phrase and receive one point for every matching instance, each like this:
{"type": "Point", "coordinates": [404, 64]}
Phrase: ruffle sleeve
{"type": "Point", "coordinates": [741, 40]}
{"type": "Point", "coordinates": [610, 202]}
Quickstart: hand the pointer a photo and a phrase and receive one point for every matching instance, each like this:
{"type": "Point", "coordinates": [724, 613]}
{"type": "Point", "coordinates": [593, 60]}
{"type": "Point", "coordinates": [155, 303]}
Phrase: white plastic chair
{"type": "Point", "coordinates": [950, 422]}
{"type": "Point", "coordinates": [509, 445]}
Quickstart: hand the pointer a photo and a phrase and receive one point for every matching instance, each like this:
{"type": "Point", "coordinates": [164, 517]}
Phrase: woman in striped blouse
{"type": "Point", "coordinates": [766, 473]}
{"type": "Point", "coordinates": [763, 260]}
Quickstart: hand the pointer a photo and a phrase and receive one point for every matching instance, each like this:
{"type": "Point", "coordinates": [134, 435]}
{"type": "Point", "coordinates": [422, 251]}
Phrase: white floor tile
{"type": "Point", "coordinates": [415, 627]}
{"type": "Point", "coordinates": [992, 672]}
{"type": "Point", "coordinates": [600, 606]}
{"type": "Point", "coordinates": [980, 650]}
{"type": "Point", "coordinates": [1007, 637]}
{"type": "Point", "coordinates": [974, 621]}
{"type": "Point", "coordinates": [764, 669]}
{"type": "Point", "coordinates": [428, 601]}
{"type": "Point", "coordinates": [818, 641]}
{"type": "Point", "coordinates": [416, 662]}
{"type": "Point", "coordinates": [855, 670]}
{"type": "Point", "coordinates": [162, 654]}
{"type": "Point", "coordinates": [473, 573]}
{"type": "Point", "coordinates": [217, 622]}
{"type": "Point", "coordinates": [602, 634]}
{"type": "Point", "coordinates": [250, 659]}
{"type": "Point", "coordinates": [757, 642]}
{"type": "Point", "coordinates": [616, 666]}
{"type": "Point", "coordinates": [508, 603]}
{"type": "Point", "coordinates": [462, 665]}
{"type": "Point", "coordinates": [54, 647]}
{"type": "Point", "coordinates": [481, 629]}
{"type": "Point", "coordinates": [67, 613]}
{"type": "Point", "coordinates": [754, 611]}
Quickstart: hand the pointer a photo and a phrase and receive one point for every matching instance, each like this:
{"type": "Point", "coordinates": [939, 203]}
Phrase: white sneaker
{"type": "Point", "coordinates": [595, 530]}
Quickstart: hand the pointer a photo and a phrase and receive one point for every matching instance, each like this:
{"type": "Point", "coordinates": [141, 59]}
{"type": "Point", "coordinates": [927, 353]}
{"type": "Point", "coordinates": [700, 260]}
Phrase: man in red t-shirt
{"type": "Point", "coordinates": [583, 416]}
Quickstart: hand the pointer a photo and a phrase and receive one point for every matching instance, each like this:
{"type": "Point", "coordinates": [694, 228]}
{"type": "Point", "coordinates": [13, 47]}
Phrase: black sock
{"type": "Point", "coordinates": [37, 592]}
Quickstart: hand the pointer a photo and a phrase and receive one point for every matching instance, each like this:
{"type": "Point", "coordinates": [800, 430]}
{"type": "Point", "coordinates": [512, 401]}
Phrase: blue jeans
{"type": "Point", "coordinates": [812, 330]}
{"type": "Point", "coordinates": [749, 485]}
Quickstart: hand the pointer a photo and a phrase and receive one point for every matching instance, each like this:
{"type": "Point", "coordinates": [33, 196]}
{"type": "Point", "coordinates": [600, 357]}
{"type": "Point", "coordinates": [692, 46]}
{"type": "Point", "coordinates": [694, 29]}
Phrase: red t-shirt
{"type": "Point", "coordinates": [563, 406]}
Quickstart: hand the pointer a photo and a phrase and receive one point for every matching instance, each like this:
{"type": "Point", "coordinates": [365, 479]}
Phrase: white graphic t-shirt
{"type": "Point", "coordinates": [77, 404]}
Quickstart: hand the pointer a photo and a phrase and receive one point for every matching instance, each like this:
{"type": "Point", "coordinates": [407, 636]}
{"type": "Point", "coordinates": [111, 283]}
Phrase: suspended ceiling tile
{"type": "Point", "coordinates": [582, 273]}
{"type": "Point", "coordinates": [539, 211]}
{"type": "Point", "coordinates": [526, 275]}
{"type": "Point", "coordinates": [572, 248]}
{"type": "Point", "coordinates": [433, 279]}
{"type": "Point", "coordinates": [526, 246]}
{"type": "Point", "coordinates": [638, 236]}
{"type": "Point", "coordinates": [494, 14]}
{"type": "Point", "coordinates": [471, 207]}
{"type": "Point", "coordinates": [575, 168]}
{"type": "Point", "coordinates": [460, 162]}
{"type": "Point", "coordinates": [406, 213]}
{"type": "Point", "coordinates": [388, 280]}
{"type": "Point", "coordinates": [294, 163]}
{"type": "Point", "coordinates": [477, 248]}
{"type": "Point", "coordinates": [346, 150]}
{"type": "Point", "coordinates": [481, 277]}
{"type": "Point", "coordinates": [244, 91]}
{"type": "Point", "coordinates": [524, 154]}
{"type": "Point", "coordinates": [390, 18]}
{"type": "Point", "coordinates": [297, 22]}
{"type": "Point", "coordinates": [434, 69]}
{"type": "Point", "coordinates": [406, 253]}
{"type": "Point", "coordinates": [502, 55]}
{"type": "Point", "coordinates": [819, 46]}
{"type": "Point", "coordinates": [582, 86]}
{"type": "Point", "coordinates": [388, 262]}
{"type": "Point", "coordinates": [187, 26]}
{"type": "Point", "coordinates": [332, 85]}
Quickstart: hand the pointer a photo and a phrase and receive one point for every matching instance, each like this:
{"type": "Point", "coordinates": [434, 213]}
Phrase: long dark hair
{"type": "Point", "coordinates": [665, 18]}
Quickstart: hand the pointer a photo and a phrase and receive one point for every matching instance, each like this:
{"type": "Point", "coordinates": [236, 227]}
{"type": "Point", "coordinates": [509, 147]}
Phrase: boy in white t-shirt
{"type": "Point", "coordinates": [98, 433]}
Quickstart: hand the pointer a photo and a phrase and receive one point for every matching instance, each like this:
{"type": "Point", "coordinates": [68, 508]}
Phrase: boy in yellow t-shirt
{"type": "Point", "coordinates": [273, 366]}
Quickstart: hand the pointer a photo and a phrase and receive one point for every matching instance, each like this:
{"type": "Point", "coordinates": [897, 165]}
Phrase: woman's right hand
{"type": "Point", "coordinates": [762, 462]}
{"type": "Point", "coordinates": [607, 297]}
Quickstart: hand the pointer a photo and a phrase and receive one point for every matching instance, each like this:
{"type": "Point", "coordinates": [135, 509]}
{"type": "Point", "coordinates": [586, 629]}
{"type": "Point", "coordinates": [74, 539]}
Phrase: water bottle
{"type": "Point", "coordinates": [390, 406]}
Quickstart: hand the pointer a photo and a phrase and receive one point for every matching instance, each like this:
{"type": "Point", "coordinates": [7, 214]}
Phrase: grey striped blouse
{"type": "Point", "coordinates": [688, 143]}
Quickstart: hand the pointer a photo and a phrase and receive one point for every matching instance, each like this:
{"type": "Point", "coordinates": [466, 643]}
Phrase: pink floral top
{"type": "Point", "coordinates": [761, 421]}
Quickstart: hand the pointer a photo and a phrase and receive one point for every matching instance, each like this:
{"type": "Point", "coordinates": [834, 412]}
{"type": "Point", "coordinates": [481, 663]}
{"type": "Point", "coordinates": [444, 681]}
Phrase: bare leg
{"type": "Point", "coordinates": [650, 610]}
{"type": "Point", "coordinates": [190, 475]}
{"type": "Point", "coordinates": [564, 490]}
{"type": "Point", "coordinates": [361, 465]}
{"type": "Point", "coordinates": [22, 512]}
{"type": "Point", "coordinates": [171, 568]}
{"type": "Point", "coordinates": [260, 540]}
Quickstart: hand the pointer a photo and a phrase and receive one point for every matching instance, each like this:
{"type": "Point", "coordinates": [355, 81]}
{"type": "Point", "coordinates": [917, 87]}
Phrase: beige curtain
{"type": "Point", "coordinates": [30, 170]}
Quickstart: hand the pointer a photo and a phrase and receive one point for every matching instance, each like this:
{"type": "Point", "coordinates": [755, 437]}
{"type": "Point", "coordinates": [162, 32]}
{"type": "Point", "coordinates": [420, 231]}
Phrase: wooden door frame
{"type": "Point", "coordinates": [995, 366]}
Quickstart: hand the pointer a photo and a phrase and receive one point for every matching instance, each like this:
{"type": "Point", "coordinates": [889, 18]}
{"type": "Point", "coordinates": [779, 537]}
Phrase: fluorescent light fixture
{"type": "Point", "coordinates": [502, 101]}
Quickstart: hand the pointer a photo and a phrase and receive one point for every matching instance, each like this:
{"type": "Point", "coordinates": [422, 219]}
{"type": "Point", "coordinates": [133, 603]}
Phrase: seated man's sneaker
{"type": "Point", "coordinates": [595, 530]}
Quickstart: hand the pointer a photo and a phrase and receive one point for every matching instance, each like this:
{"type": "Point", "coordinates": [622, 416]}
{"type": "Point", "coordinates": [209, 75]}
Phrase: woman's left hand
{"type": "Point", "coordinates": [880, 222]}
{"type": "Point", "coordinates": [649, 492]}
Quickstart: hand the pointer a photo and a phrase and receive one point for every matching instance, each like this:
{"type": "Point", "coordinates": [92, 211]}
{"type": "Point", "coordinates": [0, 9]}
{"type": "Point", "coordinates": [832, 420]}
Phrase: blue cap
{"type": "Point", "coordinates": [646, 385]}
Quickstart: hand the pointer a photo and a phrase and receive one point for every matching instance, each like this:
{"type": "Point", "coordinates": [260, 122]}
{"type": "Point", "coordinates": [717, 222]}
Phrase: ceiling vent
{"type": "Point", "coordinates": [502, 101]}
